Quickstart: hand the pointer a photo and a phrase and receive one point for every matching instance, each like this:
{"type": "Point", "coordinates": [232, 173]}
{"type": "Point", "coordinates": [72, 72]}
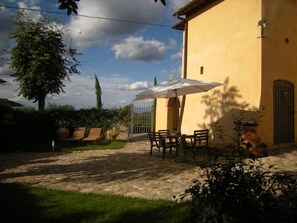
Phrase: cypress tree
{"type": "Point", "coordinates": [98, 93]}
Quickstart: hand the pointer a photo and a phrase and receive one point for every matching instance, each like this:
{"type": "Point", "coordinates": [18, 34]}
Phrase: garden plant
{"type": "Point", "coordinates": [242, 192]}
{"type": "Point", "coordinates": [235, 187]}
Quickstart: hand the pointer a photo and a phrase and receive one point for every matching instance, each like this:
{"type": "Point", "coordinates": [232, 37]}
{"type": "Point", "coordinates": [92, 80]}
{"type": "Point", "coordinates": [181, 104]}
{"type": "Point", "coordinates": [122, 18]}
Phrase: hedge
{"type": "Point", "coordinates": [21, 129]}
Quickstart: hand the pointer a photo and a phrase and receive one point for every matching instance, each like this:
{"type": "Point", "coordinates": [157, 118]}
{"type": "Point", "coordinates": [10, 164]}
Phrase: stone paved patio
{"type": "Point", "coordinates": [128, 171]}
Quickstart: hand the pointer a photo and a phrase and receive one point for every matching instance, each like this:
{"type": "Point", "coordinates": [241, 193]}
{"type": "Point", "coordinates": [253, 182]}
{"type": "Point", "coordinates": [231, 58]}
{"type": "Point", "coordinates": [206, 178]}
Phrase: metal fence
{"type": "Point", "coordinates": [141, 122]}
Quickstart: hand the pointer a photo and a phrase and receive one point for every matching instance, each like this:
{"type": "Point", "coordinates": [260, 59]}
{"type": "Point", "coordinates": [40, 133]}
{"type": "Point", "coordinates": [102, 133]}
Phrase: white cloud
{"type": "Point", "coordinates": [136, 48]}
{"type": "Point", "coordinates": [88, 31]}
{"type": "Point", "coordinates": [176, 56]}
{"type": "Point", "coordinates": [33, 14]}
{"type": "Point", "coordinates": [80, 92]}
{"type": "Point", "coordinates": [141, 85]}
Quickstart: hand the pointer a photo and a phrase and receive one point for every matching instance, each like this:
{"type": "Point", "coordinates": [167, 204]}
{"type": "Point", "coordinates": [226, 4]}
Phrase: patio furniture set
{"type": "Point", "coordinates": [78, 135]}
{"type": "Point", "coordinates": [164, 139]}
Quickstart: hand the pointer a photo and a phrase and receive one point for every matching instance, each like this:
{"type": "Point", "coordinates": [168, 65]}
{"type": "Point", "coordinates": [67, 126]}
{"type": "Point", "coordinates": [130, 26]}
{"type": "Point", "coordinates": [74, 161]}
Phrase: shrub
{"type": "Point", "coordinates": [21, 129]}
{"type": "Point", "coordinates": [242, 192]}
{"type": "Point", "coordinates": [112, 134]}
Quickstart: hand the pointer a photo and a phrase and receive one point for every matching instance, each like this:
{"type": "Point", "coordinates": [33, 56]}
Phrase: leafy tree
{"type": "Point", "coordinates": [40, 59]}
{"type": "Point", "coordinates": [163, 1]}
{"type": "Point", "coordinates": [98, 93]}
{"type": "Point", "coordinates": [72, 7]}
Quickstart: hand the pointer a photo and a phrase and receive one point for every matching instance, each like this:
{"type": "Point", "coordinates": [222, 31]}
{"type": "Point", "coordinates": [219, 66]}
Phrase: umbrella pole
{"type": "Point", "coordinates": [182, 108]}
{"type": "Point", "coordinates": [178, 116]}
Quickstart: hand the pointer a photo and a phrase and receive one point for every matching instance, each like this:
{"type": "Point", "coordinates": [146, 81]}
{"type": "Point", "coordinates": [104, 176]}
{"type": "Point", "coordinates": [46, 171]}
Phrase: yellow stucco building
{"type": "Point", "coordinates": [251, 47]}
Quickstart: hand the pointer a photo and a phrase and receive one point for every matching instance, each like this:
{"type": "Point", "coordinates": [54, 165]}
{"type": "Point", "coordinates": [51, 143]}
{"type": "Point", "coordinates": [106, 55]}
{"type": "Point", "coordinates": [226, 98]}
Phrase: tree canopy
{"type": "Point", "coordinates": [72, 7]}
{"type": "Point", "coordinates": [40, 59]}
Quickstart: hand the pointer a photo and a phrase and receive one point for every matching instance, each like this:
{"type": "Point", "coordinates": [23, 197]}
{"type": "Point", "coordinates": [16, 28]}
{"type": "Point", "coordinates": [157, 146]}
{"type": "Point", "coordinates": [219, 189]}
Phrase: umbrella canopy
{"type": "Point", "coordinates": [176, 87]}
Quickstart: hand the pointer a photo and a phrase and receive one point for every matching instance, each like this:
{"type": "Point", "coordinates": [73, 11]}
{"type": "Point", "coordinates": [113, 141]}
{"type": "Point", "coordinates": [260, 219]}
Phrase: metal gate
{"type": "Point", "coordinates": [142, 118]}
{"type": "Point", "coordinates": [283, 103]}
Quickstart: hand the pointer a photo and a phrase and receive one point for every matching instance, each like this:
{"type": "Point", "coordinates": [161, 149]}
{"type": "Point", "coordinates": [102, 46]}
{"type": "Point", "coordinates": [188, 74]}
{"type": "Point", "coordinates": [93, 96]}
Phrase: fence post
{"type": "Point", "coordinates": [132, 122]}
{"type": "Point", "coordinates": [153, 113]}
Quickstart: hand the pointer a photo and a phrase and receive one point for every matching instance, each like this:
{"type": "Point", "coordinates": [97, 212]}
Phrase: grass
{"type": "Point", "coordinates": [32, 204]}
{"type": "Point", "coordinates": [101, 145]}
{"type": "Point", "coordinates": [68, 146]}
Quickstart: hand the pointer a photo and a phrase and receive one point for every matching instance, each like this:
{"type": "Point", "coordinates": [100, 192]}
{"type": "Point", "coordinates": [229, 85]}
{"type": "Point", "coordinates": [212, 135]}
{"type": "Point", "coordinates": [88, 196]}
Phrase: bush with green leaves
{"type": "Point", "coordinates": [242, 192]}
{"type": "Point", "coordinates": [112, 134]}
{"type": "Point", "coordinates": [22, 128]}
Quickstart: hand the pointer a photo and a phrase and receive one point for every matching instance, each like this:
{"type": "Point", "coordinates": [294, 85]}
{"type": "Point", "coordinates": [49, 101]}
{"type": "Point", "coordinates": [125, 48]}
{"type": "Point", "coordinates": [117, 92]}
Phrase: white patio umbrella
{"type": "Point", "coordinates": [175, 87]}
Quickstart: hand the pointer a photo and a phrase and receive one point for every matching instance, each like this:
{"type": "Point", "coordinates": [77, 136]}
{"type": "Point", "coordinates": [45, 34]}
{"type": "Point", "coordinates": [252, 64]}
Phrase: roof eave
{"type": "Point", "coordinates": [180, 25]}
{"type": "Point", "coordinates": [192, 6]}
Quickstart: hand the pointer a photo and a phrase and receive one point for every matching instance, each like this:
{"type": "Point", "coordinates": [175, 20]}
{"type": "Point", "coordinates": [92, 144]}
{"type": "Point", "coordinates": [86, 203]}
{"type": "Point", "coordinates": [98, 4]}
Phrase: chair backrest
{"type": "Point", "coordinates": [154, 138]}
{"type": "Point", "coordinates": [79, 132]}
{"type": "Point", "coordinates": [201, 137]}
{"type": "Point", "coordinates": [151, 137]}
{"type": "Point", "coordinates": [95, 132]}
{"type": "Point", "coordinates": [164, 132]}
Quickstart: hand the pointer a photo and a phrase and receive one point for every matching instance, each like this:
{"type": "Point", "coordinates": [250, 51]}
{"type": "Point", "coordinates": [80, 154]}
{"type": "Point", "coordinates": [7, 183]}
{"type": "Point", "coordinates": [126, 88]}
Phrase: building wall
{"type": "Point", "coordinates": [225, 44]}
{"type": "Point", "coordinates": [227, 47]}
{"type": "Point", "coordinates": [279, 55]}
{"type": "Point", "coordinates": [161, 114]}
{"type": "Point", "coordinates": [167, 115]}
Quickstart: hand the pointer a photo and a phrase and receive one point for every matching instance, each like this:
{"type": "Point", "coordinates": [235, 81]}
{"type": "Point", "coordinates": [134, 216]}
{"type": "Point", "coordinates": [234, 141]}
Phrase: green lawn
{"type": "Point", "coordinates": [101, 145]}
{"type": "Point", "coordinates": [31, 204]}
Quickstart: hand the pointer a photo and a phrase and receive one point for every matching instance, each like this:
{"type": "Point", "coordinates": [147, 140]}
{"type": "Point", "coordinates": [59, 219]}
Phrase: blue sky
{"type": "Point", "coordinates": [125, 56]}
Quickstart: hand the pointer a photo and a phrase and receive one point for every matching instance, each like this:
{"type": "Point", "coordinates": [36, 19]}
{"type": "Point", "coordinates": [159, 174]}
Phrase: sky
{"type": "Point", "coordinates": [125, 43]}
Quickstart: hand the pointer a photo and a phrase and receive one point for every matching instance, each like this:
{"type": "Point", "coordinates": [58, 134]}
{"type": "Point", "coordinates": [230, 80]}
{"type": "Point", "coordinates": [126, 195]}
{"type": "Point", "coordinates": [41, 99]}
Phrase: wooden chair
{"type": "Point", "coordinates": [165, 133]}
{"type": "Point", "coordinates": [78, 134]}
{"type": "Point", "coordinates": [168, 141]}
{"type": "Point", "coordinates": [155, 141]}
{"type": "Point", "coordinates": [196, 142]}
{"type": "Point", "coordinates": [201, 138]}
{"type": "Point", "coordinates": [94, 135]}
{"type": "Point", "coordinates": [162, 141]}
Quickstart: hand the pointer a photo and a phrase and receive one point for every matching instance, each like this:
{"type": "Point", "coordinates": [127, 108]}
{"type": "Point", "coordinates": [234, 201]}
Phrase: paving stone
{"type": "Point", "coordinates": [129, 171]}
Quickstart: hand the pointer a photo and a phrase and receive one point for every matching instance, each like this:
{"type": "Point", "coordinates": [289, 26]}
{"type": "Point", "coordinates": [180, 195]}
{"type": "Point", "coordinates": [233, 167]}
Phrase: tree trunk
{"type": "Point", "coordinates": [41, 103]}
